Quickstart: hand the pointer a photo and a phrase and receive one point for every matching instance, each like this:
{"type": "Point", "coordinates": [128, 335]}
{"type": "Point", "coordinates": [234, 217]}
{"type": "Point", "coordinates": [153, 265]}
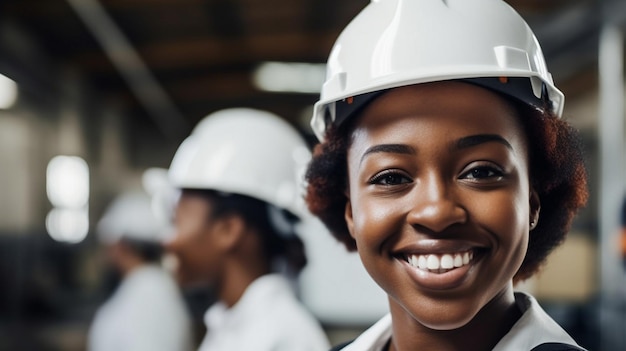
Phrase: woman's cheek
{"type": "Point", "coordinates": [506, 217]}
{"type": "Point", "coordinates": [372, 218]}
{"type": "Point", "coordinates": [506, 213]}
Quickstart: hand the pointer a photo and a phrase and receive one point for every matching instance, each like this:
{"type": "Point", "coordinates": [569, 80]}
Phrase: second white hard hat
{"type": "Point", "coordinates": [130, 215]}
{"type": "Point", "coordinates": [247, 152]}
{"type": "Point", "coordinates": [394, 43]}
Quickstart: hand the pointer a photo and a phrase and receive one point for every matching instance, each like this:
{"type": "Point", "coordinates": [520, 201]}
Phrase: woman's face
{"type": "Point", "coordinates": [439, 199]}
{"type": "Point", "coordinates": [199, 258]}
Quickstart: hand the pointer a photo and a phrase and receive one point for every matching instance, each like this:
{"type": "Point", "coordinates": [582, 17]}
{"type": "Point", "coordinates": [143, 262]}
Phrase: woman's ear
{"type": "Point", "coordinates": [229, 231]}
{"type": "Point", "coordinates": [349, 218]}
{"type": "Point", "coordinates": [535, 208]}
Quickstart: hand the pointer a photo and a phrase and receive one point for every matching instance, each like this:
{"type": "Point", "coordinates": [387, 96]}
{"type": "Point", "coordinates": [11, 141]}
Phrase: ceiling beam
{"type": "Point", "coordinates": [201, 51]}
{"type": "Point", "coordinates": [130, 65]}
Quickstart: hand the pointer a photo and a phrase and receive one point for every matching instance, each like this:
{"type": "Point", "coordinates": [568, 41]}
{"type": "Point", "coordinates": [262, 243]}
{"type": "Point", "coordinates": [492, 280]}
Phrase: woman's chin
{"type": "Point", "coordinates": [443, 318]}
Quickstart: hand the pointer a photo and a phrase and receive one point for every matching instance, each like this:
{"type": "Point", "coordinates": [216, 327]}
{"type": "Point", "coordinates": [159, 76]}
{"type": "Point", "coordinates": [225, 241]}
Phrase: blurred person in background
{"type": "Point", "coordinates": [445, 164]}
{"type": "Point", "coordinates": [146, 312]}
{"type": "Point", "coordinates": [240, 175]}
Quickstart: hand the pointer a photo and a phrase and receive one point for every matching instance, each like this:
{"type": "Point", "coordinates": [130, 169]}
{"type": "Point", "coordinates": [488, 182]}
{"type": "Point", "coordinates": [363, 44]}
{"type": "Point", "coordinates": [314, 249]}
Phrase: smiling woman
{"type": "Point", "coordinates": [450, 188]}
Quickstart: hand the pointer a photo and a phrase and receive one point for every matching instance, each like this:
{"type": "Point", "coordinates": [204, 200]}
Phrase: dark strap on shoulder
{"type": "Point", "coordinates": [556, 346]}
{"type": "Point", "coordinates": [341, 346]}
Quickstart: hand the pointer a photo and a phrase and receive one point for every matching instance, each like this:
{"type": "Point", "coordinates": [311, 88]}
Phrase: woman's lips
{"type": "Point", "coordinates": [440, 263]}
{"type": "Point", "coordinates": [441, 271]}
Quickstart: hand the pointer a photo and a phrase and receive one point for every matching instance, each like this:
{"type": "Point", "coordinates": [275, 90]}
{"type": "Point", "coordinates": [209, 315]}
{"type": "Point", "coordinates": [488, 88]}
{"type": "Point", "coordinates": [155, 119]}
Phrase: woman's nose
{"type": "Point", "coordinates": [434, 205]}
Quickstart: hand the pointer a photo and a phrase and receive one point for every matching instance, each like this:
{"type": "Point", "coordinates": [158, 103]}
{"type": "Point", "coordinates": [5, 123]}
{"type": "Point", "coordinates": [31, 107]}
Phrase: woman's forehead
{"type": "Point", "coordinates": [459, 108]}
{"type": "Point", "coordinates": [432, 95]}
{"type": "Point", "coordinates": [192, 201]}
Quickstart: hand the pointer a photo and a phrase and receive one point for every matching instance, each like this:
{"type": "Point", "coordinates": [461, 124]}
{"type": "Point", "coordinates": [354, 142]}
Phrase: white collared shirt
{"type": "Point", "coordinates": [146, 313]}
{"type": "Point", "coordinates": [535, 327]}
{"type": "Point", "coordinates": [268, 317]}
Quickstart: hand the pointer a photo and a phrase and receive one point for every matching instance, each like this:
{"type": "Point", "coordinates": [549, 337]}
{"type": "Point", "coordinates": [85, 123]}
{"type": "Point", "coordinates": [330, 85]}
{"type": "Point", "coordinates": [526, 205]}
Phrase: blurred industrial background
{"type": "Point", "coordinates": [118, 84]}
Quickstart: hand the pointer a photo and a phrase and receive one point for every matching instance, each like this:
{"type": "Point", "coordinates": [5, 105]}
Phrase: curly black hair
{"type": "Point", "coordinates": [557, 173]}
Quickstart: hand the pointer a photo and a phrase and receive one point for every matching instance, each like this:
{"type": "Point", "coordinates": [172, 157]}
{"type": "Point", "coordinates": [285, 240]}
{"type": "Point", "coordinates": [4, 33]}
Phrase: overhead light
{"type": "Point", "coordinates": [67, 185]}
{"type": "Point", "coordinates": [67, 182]}
{"type": "Point", "coordinates": [293, 77]}
{"type": "Point", "coordinates": [8, 92]}
{"type": "Point", "coordinates": [68, 225]}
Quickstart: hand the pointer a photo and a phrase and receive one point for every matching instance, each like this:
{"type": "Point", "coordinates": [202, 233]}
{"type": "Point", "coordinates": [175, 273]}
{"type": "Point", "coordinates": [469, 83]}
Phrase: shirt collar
{"type": "Point", "coordinates": [374, 338]}
{"type": "Point", "coordinates": [260, 291]}
{"type": "Point", "coordinates": [533, 328]}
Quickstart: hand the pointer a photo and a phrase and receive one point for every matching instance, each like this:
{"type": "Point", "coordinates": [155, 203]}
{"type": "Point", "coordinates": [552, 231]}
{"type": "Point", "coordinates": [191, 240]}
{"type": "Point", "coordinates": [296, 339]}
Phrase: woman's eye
{"type": "Point", "coordinates": [484, 172]}
{"type": "Point", "coordinates": [390, 178]}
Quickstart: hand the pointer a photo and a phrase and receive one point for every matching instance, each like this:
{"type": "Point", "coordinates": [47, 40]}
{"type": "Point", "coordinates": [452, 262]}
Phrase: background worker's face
{"type": "Point", "coordinates": [438, 175]}
{"type": "Point", "coordinates": [199, 258]}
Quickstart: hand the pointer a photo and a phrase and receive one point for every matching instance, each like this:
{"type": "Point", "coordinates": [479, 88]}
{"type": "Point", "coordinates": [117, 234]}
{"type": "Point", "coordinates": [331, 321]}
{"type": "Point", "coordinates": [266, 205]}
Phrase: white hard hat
{"type": "Point", "coordinates": [164, 196]}
{"type": "Point", "coordinates": [394, 43]}
{"type": "Point", "coordinates": [247, 152]}
{"type": "Point", "coordinates": [131, 216]}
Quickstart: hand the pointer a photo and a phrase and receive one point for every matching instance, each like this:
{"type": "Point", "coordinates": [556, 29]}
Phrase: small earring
{"type": "Point", "coordinates": [532, 224]}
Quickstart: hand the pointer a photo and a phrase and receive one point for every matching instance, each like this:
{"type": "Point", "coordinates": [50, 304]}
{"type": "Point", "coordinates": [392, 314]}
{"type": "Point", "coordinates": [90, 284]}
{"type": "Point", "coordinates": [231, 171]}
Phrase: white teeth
{"type": "Point", "coordinates": [447, 261]}
{"type": "Point", "coordinates": [432, 262]}
{"type": "Point", "coordinates": [421, 262]}
{"type": "Point", "coordinates": [458, 260]}
{"type": "Point", "coordinates": [440, 263]}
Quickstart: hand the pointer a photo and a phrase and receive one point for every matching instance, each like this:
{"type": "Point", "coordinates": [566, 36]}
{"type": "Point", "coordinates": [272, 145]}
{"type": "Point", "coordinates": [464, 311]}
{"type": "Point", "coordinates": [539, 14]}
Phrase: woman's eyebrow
{"type": "Point", "coordinates": [390, 148]}
{"type": "Point", "coordinates": [478, 139]}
